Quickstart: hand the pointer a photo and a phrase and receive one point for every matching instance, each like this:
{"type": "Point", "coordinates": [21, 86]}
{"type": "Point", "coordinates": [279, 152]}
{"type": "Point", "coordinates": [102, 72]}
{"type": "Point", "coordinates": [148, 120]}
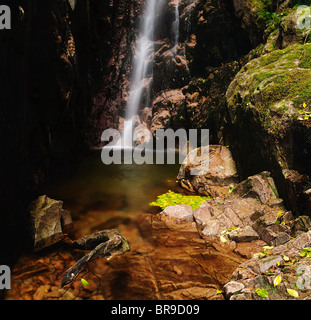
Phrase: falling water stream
{"type": "Point", "coordinates": [142, 68]}
{"type": "Point", "coordinates": [142, 75]}
{"type": "Point", "coordinates": [175, 27]}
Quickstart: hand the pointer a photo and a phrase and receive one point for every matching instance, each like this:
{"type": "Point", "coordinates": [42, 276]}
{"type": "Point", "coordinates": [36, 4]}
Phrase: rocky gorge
{"type": "Point", "coordinates": [240, 69]}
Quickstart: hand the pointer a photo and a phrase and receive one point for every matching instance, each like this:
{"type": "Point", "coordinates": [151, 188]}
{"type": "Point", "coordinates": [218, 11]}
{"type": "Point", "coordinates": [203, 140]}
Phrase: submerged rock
{"type": "Point", "coordinates": [182, 264]}
{"type": "Point", "coordinates": [50, 220]}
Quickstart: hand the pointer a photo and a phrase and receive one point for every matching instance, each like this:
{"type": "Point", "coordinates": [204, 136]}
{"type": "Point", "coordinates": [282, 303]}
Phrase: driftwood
{"type": "Point", "coordinates": [105, 243]}
{"type": "Point", "coordinates": [49, 225]}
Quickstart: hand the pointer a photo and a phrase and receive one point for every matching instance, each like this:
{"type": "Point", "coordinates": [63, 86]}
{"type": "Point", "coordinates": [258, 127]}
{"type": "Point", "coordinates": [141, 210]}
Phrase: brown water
{"type": "Point", "coordinates": [100, 192]}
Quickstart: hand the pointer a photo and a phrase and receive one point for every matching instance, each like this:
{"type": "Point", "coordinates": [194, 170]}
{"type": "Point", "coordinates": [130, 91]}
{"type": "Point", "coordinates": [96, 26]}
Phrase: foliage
{"type": "Point", "coordinates": [84, 282]}
{"type": "Point", "coordinates": [293, 293]}
{"type": "Point", "coordinates": [304, 115]}
{"type": "Point", "coordinates": [306, 252]}
{"type": "Point", "coordinates": [277, 280]}
{"type": "Point", "coordinates": [262, 293]}
{"type": "Point", "coordinates": [171, 198]}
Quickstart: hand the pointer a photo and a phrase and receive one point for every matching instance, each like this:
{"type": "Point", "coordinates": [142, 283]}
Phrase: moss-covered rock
{"type": "Point", "coordinates": [277, 84]}
{"type": "Point", "coordinates": [269, 107]}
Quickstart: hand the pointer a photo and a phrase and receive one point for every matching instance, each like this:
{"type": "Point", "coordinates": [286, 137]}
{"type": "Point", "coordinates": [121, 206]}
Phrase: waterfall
{"type": "Point", "coordinates": [142, 68]}
{"type": "Point", "coordinates": [175, 28]}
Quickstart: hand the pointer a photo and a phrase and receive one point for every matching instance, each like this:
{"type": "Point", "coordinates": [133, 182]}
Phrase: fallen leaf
{"type": "Point", "coordinates": [277, 280]}
{"type": "Point", "coordinates": [84, 282]}
{"type": "Point", "coordinates": [262, 293]}
{"type": "Point", "coordinates": [268, 247]}
{"type": "Point", "coordinates": [223, 239]}
{"type": "Point", "coordinates": [293, 293]}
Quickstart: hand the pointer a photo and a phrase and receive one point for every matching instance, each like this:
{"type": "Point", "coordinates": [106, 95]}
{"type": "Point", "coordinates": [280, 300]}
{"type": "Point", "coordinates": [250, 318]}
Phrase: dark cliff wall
{"type": "Point", "coordinates": [118, 35]}
{"type": "Point", "coordinates": [49, 61]}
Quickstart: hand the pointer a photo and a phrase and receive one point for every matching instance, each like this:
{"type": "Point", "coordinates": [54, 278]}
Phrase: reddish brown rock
{"type": "Point", "coordinates": [168, 110]}
{"type": "Point", "coordinates": [214, 178]}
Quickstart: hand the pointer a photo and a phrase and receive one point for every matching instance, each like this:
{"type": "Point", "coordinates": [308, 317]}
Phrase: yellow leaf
{"type": "Point", "coordinates": [304, 105]}
{"type": "Point", "coordinates": [277, 280]}
{"type": "Point", "coordinates": [293, 293]}
{"type": "Point", "coordinates": [268, 247]}
{"type": "Point", "coordinates": [84, 282]}
{"type": "Point", "coordinates": [223, 239]}
{"type": "Point", "coordinates": [285, 258]}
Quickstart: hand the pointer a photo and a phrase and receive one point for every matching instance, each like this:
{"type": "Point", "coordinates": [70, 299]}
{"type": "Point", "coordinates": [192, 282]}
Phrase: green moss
{"type": "Point", "coordinates": [171, 198]}
{"type": "Point", "coordinates": [305, 61]}
{"type": "Point", "coordinates": [273, 82]}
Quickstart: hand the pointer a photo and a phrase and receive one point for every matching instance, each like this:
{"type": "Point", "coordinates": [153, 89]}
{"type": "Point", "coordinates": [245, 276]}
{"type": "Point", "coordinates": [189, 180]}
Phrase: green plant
{"type": "Point", "coordinates": [306, 252]}
{"type": "Point", "coordinates": [262, 293]}
{"type": "Point", "coordinates": [304, 115]}
{"type": "Point", "coordinates": [171, 198]}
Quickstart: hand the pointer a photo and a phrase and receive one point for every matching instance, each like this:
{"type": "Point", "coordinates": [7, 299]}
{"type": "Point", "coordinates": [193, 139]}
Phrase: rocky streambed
{"type": "Point", "coordinates": [241, 243]}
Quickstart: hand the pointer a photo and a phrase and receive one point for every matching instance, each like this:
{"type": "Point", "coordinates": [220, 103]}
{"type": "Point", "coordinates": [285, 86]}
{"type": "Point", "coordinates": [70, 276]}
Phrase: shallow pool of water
{"type": "Point", "coordinates": [104, 191]}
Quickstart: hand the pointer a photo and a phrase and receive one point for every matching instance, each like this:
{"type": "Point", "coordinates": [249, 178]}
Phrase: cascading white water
{"type": "Point", "coordinates": [175, 27]}
{"type": "Point", "coordinates": [142, 75]}
{"type": "Point", "coordinates": [142, 68]}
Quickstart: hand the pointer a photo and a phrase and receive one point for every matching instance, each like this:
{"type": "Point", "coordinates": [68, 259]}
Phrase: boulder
{"type": "Point", "coordinates": [232, 287]}
{"type": "Point", "coordinates": [211, 171]}
{"type": "Point", "coordinates": [268, 114]}
{"type": "Point", "coordinates": [180, 212]}
{"type": "Point", "coordinates": [48, 221]}
{"type": "Point", "coordinates": [243, 235]}
{"type": "Point", "coordinates": [260, 186]}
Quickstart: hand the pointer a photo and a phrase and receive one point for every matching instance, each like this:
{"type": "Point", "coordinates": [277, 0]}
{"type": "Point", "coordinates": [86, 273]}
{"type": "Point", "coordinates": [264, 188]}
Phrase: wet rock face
{"type": "Point", "coordinates": [219, 36]}
{"type": "Point", "coordinates": [200, 23]}
{"type": "Point", "coordinates": [210, 38]}
{"type": "Point", "coordinates": [218, 175]}
{"type": "Point", "coordinates": [120, 21]}
{"type": "Point", "coordinates": [168, 110]}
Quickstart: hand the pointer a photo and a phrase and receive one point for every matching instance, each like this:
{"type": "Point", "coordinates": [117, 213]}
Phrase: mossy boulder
{"type": "Point", "coordinates": [269, 107]}
{"type": "Point", "coordinates": [277, 84]}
